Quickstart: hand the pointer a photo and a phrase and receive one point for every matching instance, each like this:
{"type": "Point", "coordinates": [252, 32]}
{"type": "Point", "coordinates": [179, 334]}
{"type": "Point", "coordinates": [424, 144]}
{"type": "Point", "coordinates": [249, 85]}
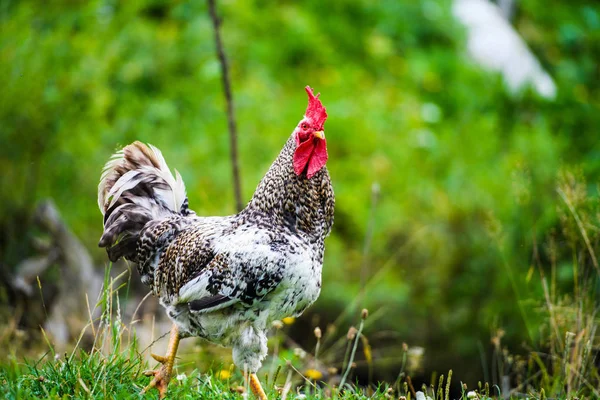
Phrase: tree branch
{"type": "Point", "coordinates": [237, 187]}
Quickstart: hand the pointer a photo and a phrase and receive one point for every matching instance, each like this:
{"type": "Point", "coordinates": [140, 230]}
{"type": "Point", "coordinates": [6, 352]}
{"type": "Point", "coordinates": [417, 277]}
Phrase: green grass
{"type": "Point", "coordinates": [113, 368]}
{"type": "Point", "coordinates": [120, 377]}
{"type": "Point", "coordinates": [118, 373]}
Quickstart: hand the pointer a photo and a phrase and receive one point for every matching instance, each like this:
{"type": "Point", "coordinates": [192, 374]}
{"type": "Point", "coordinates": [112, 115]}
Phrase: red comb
{"type": "Point", "coordinates": [315, 110]}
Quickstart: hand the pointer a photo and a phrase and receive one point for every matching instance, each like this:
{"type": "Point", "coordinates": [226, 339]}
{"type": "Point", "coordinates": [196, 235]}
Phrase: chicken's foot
{"type": "Point", "coordinates": [162, 375]}
{"type": "Point", "coordinates": [256, 387]}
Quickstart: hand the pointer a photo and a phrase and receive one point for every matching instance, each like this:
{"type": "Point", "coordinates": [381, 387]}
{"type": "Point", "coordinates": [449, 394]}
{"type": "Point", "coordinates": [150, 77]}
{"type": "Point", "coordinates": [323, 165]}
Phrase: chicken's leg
{"type": "Point", "coordinates": [162, 376]}
{"type": "Point", "coordinates": [256, 387]}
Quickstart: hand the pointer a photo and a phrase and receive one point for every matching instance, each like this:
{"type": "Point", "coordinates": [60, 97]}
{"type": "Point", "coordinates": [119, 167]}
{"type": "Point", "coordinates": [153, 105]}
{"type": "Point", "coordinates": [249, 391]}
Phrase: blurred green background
{"type": "Point", "coordinates": [467, 171]}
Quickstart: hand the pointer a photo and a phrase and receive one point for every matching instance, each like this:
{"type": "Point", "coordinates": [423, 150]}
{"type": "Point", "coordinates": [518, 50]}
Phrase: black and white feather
{"type": "Point", "coordinates": [221, 278]}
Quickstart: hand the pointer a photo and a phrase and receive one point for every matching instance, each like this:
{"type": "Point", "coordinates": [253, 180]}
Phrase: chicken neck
{"type": "Point", "coordinates": [293, 200]}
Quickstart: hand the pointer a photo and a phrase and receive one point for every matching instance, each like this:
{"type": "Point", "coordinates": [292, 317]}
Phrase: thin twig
{"type": "Point", "coordinates": [237, 186]}
{"type": "Point", "coordinates": [302, 375]}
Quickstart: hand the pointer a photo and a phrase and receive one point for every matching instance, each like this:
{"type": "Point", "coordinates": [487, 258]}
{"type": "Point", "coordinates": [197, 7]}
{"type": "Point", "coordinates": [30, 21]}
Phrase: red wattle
{"type": "Point", "coordinates": [312, 153]}
{"type": "Point", "coordinates": [302, 156]}
{"type": "Point", "coordinates": [318, 158]}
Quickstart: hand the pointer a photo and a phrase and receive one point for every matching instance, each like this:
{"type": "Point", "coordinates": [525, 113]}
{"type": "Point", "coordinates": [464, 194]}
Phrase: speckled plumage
{"type": "Point", "coordinates": [221, 278]}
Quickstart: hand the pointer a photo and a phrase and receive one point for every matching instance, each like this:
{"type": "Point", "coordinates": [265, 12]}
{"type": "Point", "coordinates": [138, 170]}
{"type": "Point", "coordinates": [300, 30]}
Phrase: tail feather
{"type": "Point", "coordinates": [127, 219]}
{"type": "Point", "coordinates": [136, 187]}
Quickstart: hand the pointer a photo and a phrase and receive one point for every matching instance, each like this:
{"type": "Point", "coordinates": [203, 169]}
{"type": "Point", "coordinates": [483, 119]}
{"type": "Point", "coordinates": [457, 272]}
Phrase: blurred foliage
{"type": "Point", "coordinates": [467, 172]}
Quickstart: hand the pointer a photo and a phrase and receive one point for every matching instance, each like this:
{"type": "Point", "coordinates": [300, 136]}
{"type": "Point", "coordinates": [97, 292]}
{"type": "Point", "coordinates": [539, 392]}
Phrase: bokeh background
{"type": "Point", "coordinates": [453, 130]}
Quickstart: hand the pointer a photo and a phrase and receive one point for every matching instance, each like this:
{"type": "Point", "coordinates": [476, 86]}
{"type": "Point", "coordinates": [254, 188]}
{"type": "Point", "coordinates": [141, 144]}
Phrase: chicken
{"type": "Point", "coordinates": [225, 279]}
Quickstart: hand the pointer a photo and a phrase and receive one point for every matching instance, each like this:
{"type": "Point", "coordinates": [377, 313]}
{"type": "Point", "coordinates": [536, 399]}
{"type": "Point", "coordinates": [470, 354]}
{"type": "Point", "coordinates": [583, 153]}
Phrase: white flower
{"type": "Point", "coordinates": [298, 352]}
{"type": "Point", "coordinates": [181, 377]}
{"type": "Point", "coordinates": [421, 396]}
{"type": "Point", "coordinates": [277, 324]}
{"type": "Point", "coordinates": [472, 395]}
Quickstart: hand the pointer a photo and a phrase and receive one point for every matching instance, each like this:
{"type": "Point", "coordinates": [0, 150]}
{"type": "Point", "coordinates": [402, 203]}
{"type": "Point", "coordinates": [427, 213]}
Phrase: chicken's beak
{"type": "Point", "coordinates": [320, 134]}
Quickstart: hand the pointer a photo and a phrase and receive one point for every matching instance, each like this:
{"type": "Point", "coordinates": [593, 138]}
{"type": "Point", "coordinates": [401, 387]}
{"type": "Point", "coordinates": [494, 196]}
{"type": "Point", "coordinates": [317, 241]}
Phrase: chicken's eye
{"type": "Point", "coordinates": [304, 126]}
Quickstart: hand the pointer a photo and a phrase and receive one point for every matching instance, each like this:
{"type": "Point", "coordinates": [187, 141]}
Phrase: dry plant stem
{"type": "Point", "coordinates": [237, 186]}
{"type": "Point", "coordinates": [287, 386]}
{"type": "Point", "coordinates": [91, 323]}
{"type": "Point", "coordinates": [586, 239]}
{"type": "Point", "coordinates": [317, 347]}
{"type": "Point", "coordinates": [275, 358]}
{"type": "Point", "coordinates": [410, 385]}
{"type": "Point", "coordinates": [590, 387]}
{"type": "Point", "coordinates": [551, 310]}
{"type": "Point", "coordinates": [346, 355]}
{"type": "Point", "coordinates": [364, 270]}
{"type": "Point", "coordinates": [401, 373]}
{"type": "Point", "coordinates": [566, 364]}
{"type": "Point", "coordinates": [352, 354]}
{"type": "Point", "coordinates": [584, 360]}
{"type": "Point", "coordinates": [162, 376]}
{"type": "Point", "coordinates": [133, 320]}
{"type": "Point", "coordinates": [546, 290]}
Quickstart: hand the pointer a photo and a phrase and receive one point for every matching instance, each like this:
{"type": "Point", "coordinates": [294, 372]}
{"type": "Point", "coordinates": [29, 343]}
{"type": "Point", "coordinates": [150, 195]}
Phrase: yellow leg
{"type": "Point", "coordinates": [162, 376]}
{"type": "Point", "coordinates": [257, 388]}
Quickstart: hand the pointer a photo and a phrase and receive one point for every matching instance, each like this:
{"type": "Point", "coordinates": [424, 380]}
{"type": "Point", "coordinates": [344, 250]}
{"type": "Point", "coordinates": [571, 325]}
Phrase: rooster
{"type": "Point", "coordinates": [225, 279]}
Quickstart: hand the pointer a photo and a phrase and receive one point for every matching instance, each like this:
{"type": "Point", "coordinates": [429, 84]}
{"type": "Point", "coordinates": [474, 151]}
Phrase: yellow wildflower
{"type": "Point", "coordinates": [288, 320]}
{"type": "Point", "coordinates": [313, 374]}
{"type": "Point", "coordinates": [224, 374]}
